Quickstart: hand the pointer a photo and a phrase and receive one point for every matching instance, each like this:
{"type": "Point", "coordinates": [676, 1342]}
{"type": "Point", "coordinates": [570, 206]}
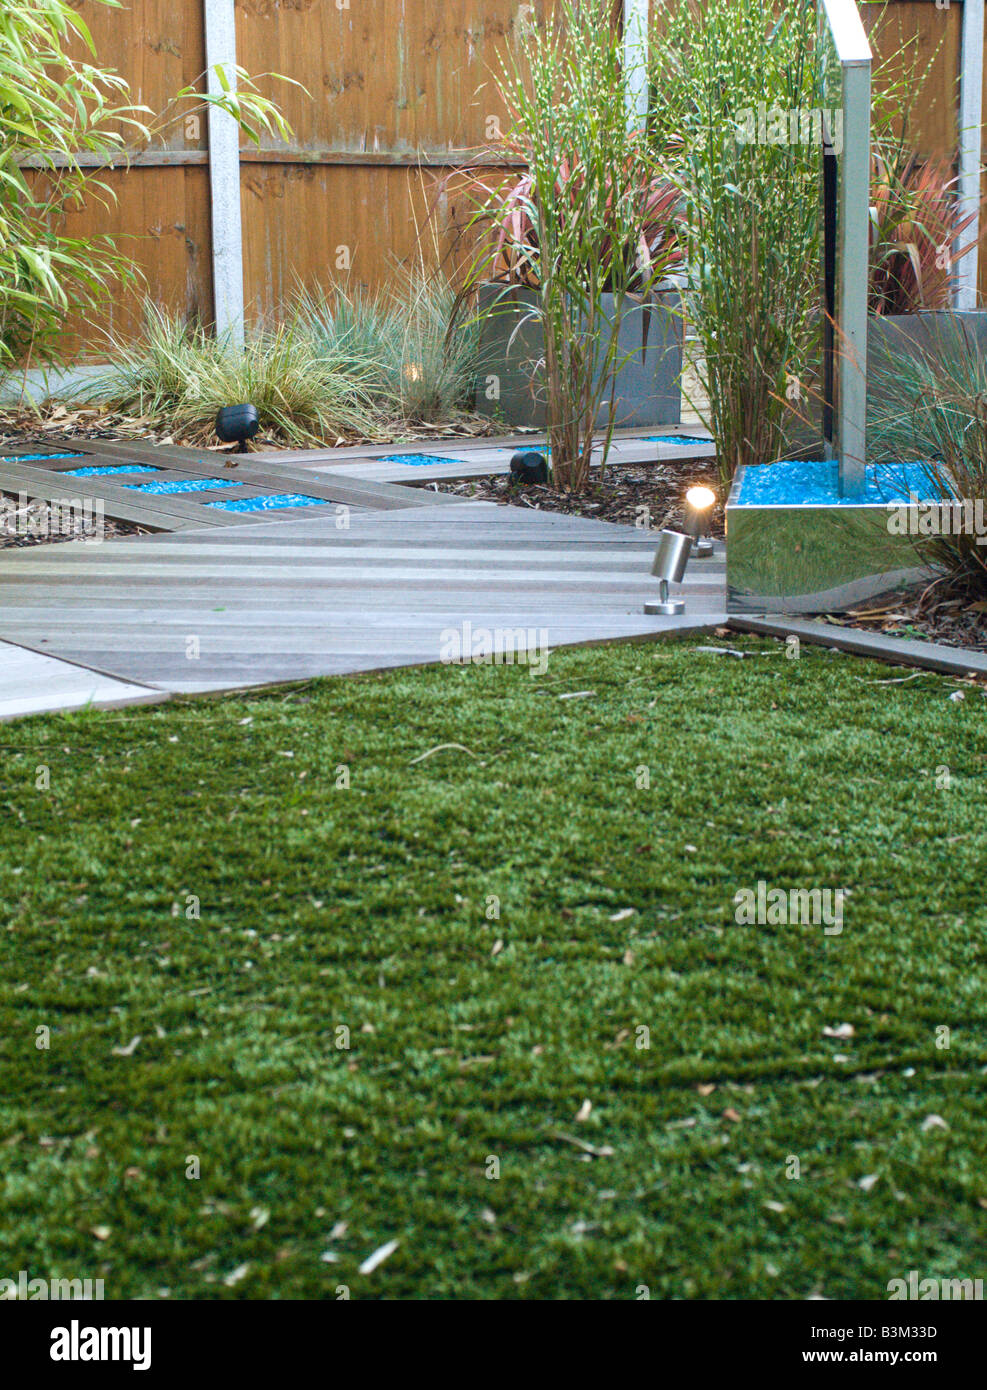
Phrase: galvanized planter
{"type": "Point", "coordinates": [510, 384]}
{"type": "Point", "coordinates": [808, 558]}
{"type": "Point", "coordinates": [893, 336]}
{"type": "Point", "coordinates": [813, 559]}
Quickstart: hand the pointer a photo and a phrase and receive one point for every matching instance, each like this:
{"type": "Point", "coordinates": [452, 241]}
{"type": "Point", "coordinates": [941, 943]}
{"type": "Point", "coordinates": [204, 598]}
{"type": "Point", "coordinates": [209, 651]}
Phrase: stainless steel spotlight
{"type": "Point", "coordinates": [670, 561]}
{"type": "Point", "coordinates": [699, 503]}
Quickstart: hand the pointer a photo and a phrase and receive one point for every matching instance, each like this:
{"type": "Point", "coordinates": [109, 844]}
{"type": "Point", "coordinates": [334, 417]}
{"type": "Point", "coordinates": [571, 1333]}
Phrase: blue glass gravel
{"type": "Point", "coordinates": [415, 460]}
{"type": "Point", "coordinates": [37, 458]}
{"type": "Point", "coordinates": [677, 439]}
{"type": "Point", "coordinates": [816, 484]}
{"type": "Point", "coordinates": [273, 502]}
{"type": "Point", "coordinates": [160, 489]}
{"type": "Point", "coordinates": [105, 470]}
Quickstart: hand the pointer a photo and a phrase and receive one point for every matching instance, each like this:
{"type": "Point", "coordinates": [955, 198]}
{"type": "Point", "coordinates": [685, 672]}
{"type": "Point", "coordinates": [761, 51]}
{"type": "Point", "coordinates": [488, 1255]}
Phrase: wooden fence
{"type": "Point", "coordinates": [396, 90]}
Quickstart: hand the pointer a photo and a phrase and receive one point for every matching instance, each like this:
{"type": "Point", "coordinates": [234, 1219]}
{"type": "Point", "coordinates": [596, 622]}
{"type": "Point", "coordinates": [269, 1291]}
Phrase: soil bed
{"type": "Point", "coordinates": [634, 494]}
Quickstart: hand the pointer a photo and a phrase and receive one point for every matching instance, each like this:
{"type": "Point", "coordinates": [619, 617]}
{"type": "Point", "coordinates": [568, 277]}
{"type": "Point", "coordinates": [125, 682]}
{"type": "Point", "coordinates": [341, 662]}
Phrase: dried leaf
{"type": "Point", "coordinates": [378, 1257]}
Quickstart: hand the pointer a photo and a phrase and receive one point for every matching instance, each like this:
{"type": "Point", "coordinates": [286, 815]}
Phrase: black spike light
{"type": "Point", "coordinates": [235, 424]}
{"type": "Point", "coordinates": [528, 468]}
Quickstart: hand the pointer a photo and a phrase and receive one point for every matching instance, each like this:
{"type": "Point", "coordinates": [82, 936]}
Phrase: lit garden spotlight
{"type": "Point", "coordinates": [235, 424]}
{"type": "Point", "coordinates": [699, 502]}
{"type": "Point", "coordinates": [670, 561]}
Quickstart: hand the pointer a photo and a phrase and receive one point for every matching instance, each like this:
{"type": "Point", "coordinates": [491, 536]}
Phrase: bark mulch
{"type": "Point", "coordinates": [635, 494]}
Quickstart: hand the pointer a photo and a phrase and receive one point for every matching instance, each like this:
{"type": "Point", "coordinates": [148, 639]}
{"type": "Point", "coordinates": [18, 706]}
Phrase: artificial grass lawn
{"type": "Point", "coordinates": [475, 1038]}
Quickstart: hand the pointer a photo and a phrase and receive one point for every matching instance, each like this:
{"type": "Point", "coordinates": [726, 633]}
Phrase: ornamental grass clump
{"type": "Point", "coordinates": [179, 375]}
{"type": "Point", "coordinates": [934, 408]}
{"type": "Point", "coordinates": [420, 351]}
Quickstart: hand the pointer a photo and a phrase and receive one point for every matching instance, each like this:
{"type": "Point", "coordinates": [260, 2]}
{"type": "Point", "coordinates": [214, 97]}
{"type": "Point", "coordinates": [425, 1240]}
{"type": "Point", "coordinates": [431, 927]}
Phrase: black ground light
{"type": "Point", "coordinates": [235, 424]}
{"type": "Point", "coordinates": [528, 467]}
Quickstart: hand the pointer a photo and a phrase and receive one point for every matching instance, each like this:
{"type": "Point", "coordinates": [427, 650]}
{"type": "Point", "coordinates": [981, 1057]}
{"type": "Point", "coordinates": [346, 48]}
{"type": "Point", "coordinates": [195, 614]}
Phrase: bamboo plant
{"type": "Point", "coordinates": [63, 119]}
{"type": "Point", "coordinates": [593, 215]}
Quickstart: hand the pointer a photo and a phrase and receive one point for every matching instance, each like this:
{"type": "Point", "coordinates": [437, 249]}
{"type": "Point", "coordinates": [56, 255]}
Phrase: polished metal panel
{"type": "Point", "coordinates": [814, 559]}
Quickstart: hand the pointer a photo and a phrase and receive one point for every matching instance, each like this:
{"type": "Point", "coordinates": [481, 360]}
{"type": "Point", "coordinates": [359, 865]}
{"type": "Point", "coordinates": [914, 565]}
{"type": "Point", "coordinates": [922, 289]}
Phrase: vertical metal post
{"type": "Point", "coordinates": [635, 62]}
{"type": "Point", "coordinates": [970, 125]}
{"type": "Point", "coordinates": [831, 183]}
{"type": "Point", "coordinates": [852, 288]}
{"type": "Point", "coordinates": [224, 175]}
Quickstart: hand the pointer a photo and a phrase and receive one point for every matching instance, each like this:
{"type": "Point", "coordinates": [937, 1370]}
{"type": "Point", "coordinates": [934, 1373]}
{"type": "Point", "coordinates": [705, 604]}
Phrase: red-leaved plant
{"type": "Point", "coordinates": [914, 228]}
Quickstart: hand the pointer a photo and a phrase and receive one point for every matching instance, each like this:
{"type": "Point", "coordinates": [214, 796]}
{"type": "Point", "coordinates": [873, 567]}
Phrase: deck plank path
{"type": "Point", "coordinates": [288, 600]}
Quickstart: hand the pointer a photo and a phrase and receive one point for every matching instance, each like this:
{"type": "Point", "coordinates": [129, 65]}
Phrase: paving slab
{"type": "Point", "coordinates": [31, 683]}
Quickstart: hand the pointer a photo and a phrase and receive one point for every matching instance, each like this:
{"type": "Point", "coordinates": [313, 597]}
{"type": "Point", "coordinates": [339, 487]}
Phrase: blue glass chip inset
{"type": "Point", "coordinates": [161, 489]}
{"type": "Point", "coordinates": [105, 470]}
{"type": "Point", "coordinates": [272, 502]}
{"type": "Point", "coordinates": [816, 483]}
{"type": "Point", "coordinates": [415, 460]}
{"type": "Point", "coordinates": [677, 439]}
{"type": "Point", "coordinates": [34, 458]}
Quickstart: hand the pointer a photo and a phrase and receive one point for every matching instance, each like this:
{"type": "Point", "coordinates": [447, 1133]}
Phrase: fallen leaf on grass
{"type": "Point", "coordinates": [129, 1050]}
{"type": "Point", "coordinates": [378, 1257]}
{"type": "Point", "coordinates": [585, 1110]}
{"type": "Point", "coordinates": [623, 914]}
{"type": "Point", "coordinates": [598, 1151]}
{"type": "Point", "coordinates": [731, 1115]}
{"type": "Point", "coordinates": [439, 748]}
{"type": "Point", "coordinates": [842, 1030]}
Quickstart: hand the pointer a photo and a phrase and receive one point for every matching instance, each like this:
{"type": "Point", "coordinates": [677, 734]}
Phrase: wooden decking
{"type": "Point", "coordinates": [234, 606]}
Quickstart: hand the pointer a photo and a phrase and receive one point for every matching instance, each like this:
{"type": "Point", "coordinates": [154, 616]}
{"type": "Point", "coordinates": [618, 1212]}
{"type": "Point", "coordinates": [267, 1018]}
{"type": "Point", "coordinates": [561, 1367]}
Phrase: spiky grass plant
{"type": "Point", "coordinates": [422, 354]}
{"type": "Point", "coordinates": [934, 407]}
{"type": "Point", "coordinates": [306, 392]}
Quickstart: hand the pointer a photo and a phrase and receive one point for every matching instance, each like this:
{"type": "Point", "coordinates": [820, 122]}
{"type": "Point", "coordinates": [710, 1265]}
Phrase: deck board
{"type": "Point", "coordinates": [288, 600]}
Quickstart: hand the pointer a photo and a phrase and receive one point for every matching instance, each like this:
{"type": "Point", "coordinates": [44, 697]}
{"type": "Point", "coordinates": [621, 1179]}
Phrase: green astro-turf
{"type": "Point", "coordinates": [284, 981]}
